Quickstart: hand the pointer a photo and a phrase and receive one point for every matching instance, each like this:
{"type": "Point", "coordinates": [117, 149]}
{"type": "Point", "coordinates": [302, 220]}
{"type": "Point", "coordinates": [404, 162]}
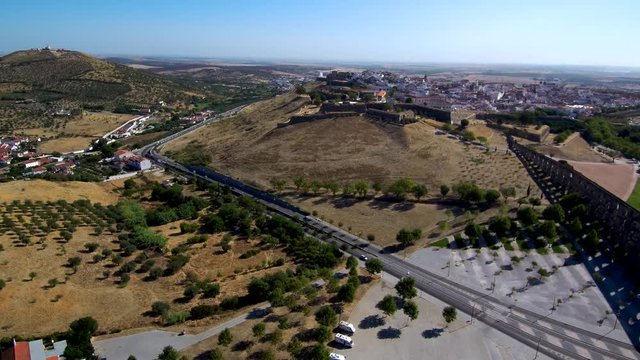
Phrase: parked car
{"type": "Point", "coordinates": [334, 356]}
{"type": "Point", "coordinates": [364, 257]}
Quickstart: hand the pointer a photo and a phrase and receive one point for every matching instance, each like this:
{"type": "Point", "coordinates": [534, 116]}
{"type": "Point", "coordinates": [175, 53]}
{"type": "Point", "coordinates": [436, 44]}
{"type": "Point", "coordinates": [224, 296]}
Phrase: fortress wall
{"type": "Point", "coordinates": [622, 220]}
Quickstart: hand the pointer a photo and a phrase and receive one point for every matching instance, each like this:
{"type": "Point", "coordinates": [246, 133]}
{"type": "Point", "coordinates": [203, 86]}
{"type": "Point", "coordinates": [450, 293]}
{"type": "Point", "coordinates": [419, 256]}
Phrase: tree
{"type": "Point", "coordinates": [2, 284]}
{"type": "Point", "coordinates": [554, 212]}
{"type": "Point", "coordinates": [576, 226]}
{"type": "Point", "coordinates": [352, 262]}
{"type": "Point", "coordinates": [323, 334]}
{"type": "Point", "coordinates": [411, 310]}
{"type": "Point", "coordinates": [400, 187]}
{"type": "Point", "coordinates": [74, 262]}
{"type": "Point", "coordinates": [444, 190]}
{"type": "Point", "coordinates": [225, 243]}
{"type": "Point", "coordinates": [347, 292]}
{"type": "Point", "coordinates": [326, 316]}
{"type": "Point", "coordinates": [388, 305]}
{"type": "Point", "coordinates": [468, 191]}
{"type": "Point", "coordinates": [131, 357]}
{"type": "Point", "coordinates": [491, 196]}
{"type": "Point", "coordinates": [53, 282]}
{"type": "Point", "coordinates": [449, 314]}
{"type": "Point", "coordinates": [419, 190]}
{"type": "Point", "coordinates": [473, 230]}
{"type": "Point", "coordinates": [258, 329]}
{"type": "Point", "coordinates": [32, 275]}
{"type": "Point", "coordinates": [278, 184]}
{"type": "Point", "coordinates": [464, 123]}
{"type": "Point", "coordinates": [216, 354]}
{"type": "Point", "coordinates": [408, 237]}
{"type": "Point", "coordinates": [169, 353]}
{"type": "Point", "coordinates": [79, 339]}
{"type": "Point", "coordinates": [294, 347]}
{"type": "Point", "coordinates": [225, 337]}
{"type": "Point", "coordinates": [527, 216]}
{"type": "Point", "coordinates": [500, 225]}
{"type": "Point", "coordinates": [300, 182]}
{"type": "Point", "coordinates": [362, 188]}
{"type": "Point", "coordinates": [318, 352]}
{"type": "Point", "coordinates": [406, 288]}
{"type": "Point", "coordinates": [91, 247]}
{"type": "Point", "coordinates": [374, 266]}
{"type": "Point", "coordinates": [332, 187]}
{"type": "Point", "coordinates": [548, 229]}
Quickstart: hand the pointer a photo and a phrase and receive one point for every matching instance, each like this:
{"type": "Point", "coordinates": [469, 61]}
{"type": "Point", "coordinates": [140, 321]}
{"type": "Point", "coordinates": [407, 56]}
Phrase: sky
{"type": "Point", "coordinates": [556, 32]}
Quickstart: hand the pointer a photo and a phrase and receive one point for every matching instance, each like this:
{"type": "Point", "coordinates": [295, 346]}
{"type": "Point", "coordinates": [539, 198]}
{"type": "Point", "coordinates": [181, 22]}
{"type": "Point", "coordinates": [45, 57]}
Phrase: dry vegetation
{"type": "Point", "coordinates": [41, 190]}
{"type": "Point", "coordinates": [76, 133]}
{"type": "Point", "coordinates": [27, 302]}
{"type": "Point", "coordinates": [250, 147]}
{"type": "Point", "coordinates": [576, 149]}
{"type": "Point", "coordinates": [301, 320]}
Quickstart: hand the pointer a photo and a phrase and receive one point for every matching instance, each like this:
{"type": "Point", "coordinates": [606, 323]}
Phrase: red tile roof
{"type": "Point", "coordinates": [21, 351]}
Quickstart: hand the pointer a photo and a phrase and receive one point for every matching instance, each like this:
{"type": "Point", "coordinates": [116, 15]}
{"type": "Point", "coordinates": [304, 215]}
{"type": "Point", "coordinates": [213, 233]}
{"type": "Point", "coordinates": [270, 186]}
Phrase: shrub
{"type": "Point", "coordinates": [159, 308]}
{"type": "Point", "coordinates": [174, 318]}
{"type": "Point", "coordinates": [258, 329]}
{"type": "Point", "coordinates": [188, 228]}
{"type": "Point", "coordinates": [230, 303]}
{"type": "Point", "coordinates": [210, 290]}
{"type": "Point", "coordinates": [91, 247]}
{"type": "Point", "coordinates": [202, 311]}
{"type": "Point", "coordinates": [197, 239]}
{"type": "Point", "coordinates": [326, 316]}
{"type": "Point", "coordinates": [155, 273]}
{"type": "Point", "coordinates": [225, 337]}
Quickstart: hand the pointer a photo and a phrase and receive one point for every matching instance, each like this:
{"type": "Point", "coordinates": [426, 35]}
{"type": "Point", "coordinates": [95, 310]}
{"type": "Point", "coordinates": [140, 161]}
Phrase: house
{"type": "Point", "coordinates": [380, 95]}
{"type": "Point", "coordinates": [37, 171]}
{"type": "Point", "coordinates": [65, 168]}
{"type": "Point", "coordinates": [122, 155]}
{"type": "Point", "coordinates": [34, 350]}
{"type": "Point", "coordinates": [27, 164]}
{"type": "Point", "coordinates": [139, 163]}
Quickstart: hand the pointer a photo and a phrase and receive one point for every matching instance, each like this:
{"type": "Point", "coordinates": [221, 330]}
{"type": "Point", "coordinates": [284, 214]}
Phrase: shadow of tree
{"type": "Point", "coordinates": [371, 321]}
{"type": "Point", "coordinates": [432, 333]}
{"type": "Point", "coordinates": [389, 333]}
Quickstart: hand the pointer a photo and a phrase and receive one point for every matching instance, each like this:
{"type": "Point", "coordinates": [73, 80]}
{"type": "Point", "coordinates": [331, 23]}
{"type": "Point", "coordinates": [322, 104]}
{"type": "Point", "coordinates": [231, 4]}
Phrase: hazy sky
{"type": "Point", "coordinates": [588, 32]}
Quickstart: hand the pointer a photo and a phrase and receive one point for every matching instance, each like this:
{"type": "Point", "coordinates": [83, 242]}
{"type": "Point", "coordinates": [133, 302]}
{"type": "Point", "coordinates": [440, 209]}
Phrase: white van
{"type": "Point", "coordinates": [344, 340]}
{"type": "Point", "coordinates": [334, 356]}
{"type": "Point", "coordinates": [347, 327]}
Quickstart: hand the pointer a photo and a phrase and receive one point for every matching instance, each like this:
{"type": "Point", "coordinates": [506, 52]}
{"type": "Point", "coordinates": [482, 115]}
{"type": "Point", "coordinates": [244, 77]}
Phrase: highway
{"type": "Point", "coordinates": [551, 337]}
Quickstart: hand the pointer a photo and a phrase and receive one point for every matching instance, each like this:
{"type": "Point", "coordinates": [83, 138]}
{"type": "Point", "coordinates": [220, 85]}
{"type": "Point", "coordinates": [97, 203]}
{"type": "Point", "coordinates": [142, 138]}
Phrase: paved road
{"type": "Point", "coordinates": [147, 345]}
{"type": "Point", "coordinates": [552, 337]}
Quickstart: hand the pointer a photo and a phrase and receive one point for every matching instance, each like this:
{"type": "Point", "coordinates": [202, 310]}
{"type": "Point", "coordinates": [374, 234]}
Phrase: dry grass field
{"type": "Point", "coordinates": [250, 147]}
{"type": "Point", "coordinates": [27, 303]}
{"type": "Point", "coordinates": [76, 134]}
{"type": "Point", "coordinates": [575, 149]}
{"type": "Point", "coordinates": [42, 190]}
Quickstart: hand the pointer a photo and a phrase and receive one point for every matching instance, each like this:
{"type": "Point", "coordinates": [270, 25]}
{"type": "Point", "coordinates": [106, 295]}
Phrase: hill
{"type": "Point", "coordinates": [34, 83]}
{"type": "Point", "coordinates": [252, 148]}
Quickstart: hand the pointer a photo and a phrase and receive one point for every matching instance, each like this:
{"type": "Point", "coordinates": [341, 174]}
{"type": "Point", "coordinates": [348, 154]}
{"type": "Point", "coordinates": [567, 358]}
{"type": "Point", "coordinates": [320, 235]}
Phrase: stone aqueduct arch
{"type": "Point", "coordinates": [622, 220]}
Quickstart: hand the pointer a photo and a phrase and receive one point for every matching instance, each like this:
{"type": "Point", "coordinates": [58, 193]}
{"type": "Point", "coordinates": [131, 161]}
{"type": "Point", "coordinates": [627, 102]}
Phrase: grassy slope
{"type": "Point", "coordinates": [634, 199]}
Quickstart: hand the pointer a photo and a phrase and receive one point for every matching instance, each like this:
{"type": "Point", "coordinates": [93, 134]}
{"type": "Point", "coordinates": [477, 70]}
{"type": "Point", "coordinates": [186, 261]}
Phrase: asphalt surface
{"type": "Point", "coordinates": [147, 345]}
{"type": "Point", "coordinates": [551, 337]}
